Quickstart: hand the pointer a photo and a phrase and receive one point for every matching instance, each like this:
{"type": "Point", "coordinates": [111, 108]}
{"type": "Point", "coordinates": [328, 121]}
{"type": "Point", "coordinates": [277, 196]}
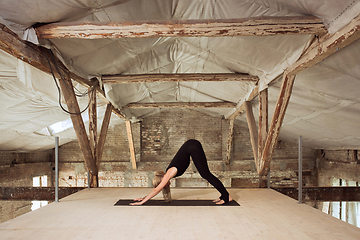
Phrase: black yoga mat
{"type": "Point", "coordinates": [124, 202]}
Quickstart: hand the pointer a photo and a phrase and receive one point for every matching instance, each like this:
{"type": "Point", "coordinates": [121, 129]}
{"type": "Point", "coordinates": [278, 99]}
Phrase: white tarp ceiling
{"type": "Point", "coordinates": [323, 109]}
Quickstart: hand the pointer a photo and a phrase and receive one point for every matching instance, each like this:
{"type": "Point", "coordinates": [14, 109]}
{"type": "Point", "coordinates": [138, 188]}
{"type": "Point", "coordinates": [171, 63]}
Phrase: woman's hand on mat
{"type": "Point", "coordinates": [138, 199]}
{"type": "Point", "coordinates": [136, 203]}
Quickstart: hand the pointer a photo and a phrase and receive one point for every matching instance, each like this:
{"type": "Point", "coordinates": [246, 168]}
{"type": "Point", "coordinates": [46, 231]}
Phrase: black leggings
{"type": "Point", "coordinates": [194, 149]}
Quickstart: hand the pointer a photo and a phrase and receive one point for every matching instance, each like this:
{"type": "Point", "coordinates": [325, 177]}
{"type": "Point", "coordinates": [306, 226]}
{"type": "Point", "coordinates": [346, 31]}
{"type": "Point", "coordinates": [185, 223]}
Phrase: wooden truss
{"type": "Point", "coordinates": [320, 49]}
{"type": "Point", "coordinates": [263, 140]}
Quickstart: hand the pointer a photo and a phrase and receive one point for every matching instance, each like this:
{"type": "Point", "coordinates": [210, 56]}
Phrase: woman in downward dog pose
{"type": "Point", "coordinates": [178, 166]}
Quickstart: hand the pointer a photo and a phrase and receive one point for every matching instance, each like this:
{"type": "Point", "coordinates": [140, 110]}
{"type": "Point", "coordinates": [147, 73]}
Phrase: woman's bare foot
{"type": "Point", "coordinates": [216, 200]}
{"type": "Point", "coordinates": [220, 202]}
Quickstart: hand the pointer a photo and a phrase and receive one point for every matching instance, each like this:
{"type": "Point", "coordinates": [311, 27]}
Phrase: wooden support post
{"type": "Point", "coordinates": [93, 135]}
{"type": "Point", "coordinates": [263, 120]}
{"type": "Point", "coordinates": [252, 129]}
{"type": "Point", "coordinates": [230, 142]}
{"type": "Point", "coordinates": [263, 130]}
{"type": "Point", "coordinates": [276, 122]}
{"type": "Point", "coordinates": [103, 132]}
{"type": "Point", "coordinates": [79, 127]}
{"type": "Point", "coordinates": [263, 181]}
{"type": "Point", "coordinates": [131, 144]}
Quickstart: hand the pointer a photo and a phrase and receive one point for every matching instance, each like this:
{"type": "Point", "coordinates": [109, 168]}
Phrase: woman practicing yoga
{"type": "Point", "coordinates": [178, 166]}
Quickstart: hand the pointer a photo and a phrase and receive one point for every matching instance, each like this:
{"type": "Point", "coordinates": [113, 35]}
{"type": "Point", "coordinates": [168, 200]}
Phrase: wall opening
{"type": "Point", "coordinates": [344, 210]}
{"type": "Point", "coordinates": [40, 181]}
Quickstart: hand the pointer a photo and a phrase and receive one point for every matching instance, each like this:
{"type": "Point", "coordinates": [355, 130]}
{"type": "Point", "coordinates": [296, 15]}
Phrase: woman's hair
{"type": "Point", "coordinates": [166, 190]}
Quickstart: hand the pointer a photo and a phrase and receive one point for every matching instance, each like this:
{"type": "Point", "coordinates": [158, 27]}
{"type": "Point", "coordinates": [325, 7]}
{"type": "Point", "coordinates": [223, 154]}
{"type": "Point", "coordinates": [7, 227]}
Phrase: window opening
{"type": "Point", "coordinates": [40, 181]}
{"type": "Point", "coordinates": [344, 210]}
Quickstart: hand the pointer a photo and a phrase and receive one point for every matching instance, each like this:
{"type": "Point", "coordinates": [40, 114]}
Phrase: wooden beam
{"type": "Point", "coordinates": [241, 108]}
{"type": "Point", "coordinates": [319, 50]}
{"type": "Point", "coordinates": [131, 144]}
{"type": "Point", "coordinates": [78, 124]}
{"type": "Point", "coordinates": [150, 78]}
{"type": "Point", "coordinates": [230, 142]}
{"type": "Point", "coordinates": [182, 105]}
{"type": "Point", "coordinates": [263, 122]}
{"type": "Point", "coordinates": [252, 129]}
{"type": "Point", "coordinates": [276, 122]}
{"type": "Point", "coordinates": [326, 46]}
{"type": "Point", "coordinates": [322, 193]}
{"type": "Point", "coordinates": [254, 26]}
{"type": "Point", "coordinates": [94, 182]}
{"type": "Point", "coordinates": [263, 130]}
{"type": "Point", "coordinates": [35, 56]}
{"type": "Point", "coordinates": [103, 133]}
{"type": "Point", "coordinates": [35, 193]}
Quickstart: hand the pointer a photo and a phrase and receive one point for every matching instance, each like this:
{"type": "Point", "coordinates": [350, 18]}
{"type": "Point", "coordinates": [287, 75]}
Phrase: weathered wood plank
{"type": "Point", "coordinates": [131, 144]}
{"type": "Point", "coordinates": [149, 78]}
{"type": "Point", "coordinates": [230, 142]}
{"type": "Point", "coordinates": [322, 193]}
{"type": "Point", "coordinates": [263, 122]}
{"type": "Point", "coordinates": [325, 46]}
{"type": "Point", "coordinates": [78, 123]}
{"type": "Point", "coordinates": [276, 122]}
{"type": "Point", "coordinates": [255, 26]}
{"type": "Point", "coordinates": [35, 193]}
{"type": "Point", "coordinates": [93, 136]}
{"type": "Point", "coordinates": [182, 105]}
{"type": "Point", "coordinates": [252, 129]}
{"type": "Point", "coordinates": [263, 130]}
{"type": "Point", "coordinates": [103, 133]}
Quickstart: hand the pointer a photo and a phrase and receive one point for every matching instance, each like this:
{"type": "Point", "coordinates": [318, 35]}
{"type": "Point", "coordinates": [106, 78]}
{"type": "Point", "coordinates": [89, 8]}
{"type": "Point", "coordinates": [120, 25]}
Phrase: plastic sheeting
{"type": "Point", "coordinates": [322, 107]}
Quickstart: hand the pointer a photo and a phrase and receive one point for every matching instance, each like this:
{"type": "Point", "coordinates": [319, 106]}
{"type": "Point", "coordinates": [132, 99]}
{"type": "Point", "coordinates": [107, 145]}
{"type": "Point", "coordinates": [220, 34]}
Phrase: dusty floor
{"type": "Point", "coordinates": [91, 214]}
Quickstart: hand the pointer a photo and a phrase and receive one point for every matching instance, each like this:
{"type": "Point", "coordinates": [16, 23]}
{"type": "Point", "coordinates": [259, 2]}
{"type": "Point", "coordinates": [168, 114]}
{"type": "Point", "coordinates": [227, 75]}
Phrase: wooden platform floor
{"type": "Point", "coordinates": [91, 214]}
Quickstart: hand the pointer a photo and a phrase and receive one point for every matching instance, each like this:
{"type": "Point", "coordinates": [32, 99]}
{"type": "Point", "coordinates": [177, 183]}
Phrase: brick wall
{"type": "Point", "coordinates": [18, 170]}
{"type": "Point", "coordinates": [158, 137]}
{"type": "Point", "coordinates": [341, 164]}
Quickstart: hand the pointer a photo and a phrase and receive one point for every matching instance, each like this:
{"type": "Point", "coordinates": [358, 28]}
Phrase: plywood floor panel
{"type": "Point", "coordinates": [91, 214]}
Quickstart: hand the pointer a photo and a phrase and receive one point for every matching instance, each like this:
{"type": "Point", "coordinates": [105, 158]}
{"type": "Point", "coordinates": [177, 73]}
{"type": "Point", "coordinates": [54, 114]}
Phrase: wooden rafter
{"type": "Point", "coordinates": [182, 105]}
{"type": "Point", "coordinates": [79, 127]}
{"type": "Point", "coordinates": [35, 56]}
{"type": "Point", "coordinates": [327, 45]}
{"type": "Point", "coordinates": [276, 122]}
{"type": "Point", "coordinates": [131, 144]}
{"type": "Point", "coordinates": [255, 26]}
{"type": "Point", "coordinates": [103, 132]}
{"type": "Point", "coordinates": [45, 61]}
{"type": "Point", "coordinates": [252, 129]}
{"type": "Point", "coordinates": [149, 78]}
{"type": "Point", "coordinates": [263, 122]}
{"type": "Point", "coordinates": [263, 131]}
